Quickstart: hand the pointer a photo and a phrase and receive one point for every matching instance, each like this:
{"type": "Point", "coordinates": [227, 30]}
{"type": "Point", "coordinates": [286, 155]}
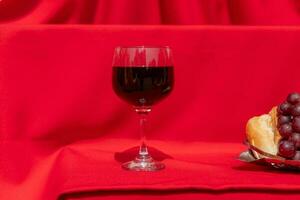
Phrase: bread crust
{"type": "Point", "coordinates": [262, 132]}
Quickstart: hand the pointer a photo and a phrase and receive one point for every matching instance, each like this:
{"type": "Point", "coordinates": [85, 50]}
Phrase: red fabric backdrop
{"type": "Point", "coordinates": [59, 118]}
{"type": "Point", "coordinates": [223, 12]}
{"type": "Point", "coordinates": [57, 80]}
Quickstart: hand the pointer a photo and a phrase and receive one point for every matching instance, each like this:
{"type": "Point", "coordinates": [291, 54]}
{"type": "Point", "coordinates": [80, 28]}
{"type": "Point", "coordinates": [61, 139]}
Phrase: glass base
{"type": "Point", "coordinates": [143, 163]}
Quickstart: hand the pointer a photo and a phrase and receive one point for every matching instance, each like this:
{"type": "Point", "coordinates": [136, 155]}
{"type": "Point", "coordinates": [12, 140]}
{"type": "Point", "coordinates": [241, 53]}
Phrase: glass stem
{"type": "Point", "coordinates": [143, 152]}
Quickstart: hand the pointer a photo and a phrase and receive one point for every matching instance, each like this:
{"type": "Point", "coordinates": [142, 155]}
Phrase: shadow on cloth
{"type": "Point", "coordinates": [130, 154]}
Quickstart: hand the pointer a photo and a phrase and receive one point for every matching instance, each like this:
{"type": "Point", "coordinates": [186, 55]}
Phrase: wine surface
{"type": "Point", "coordinates": [143, 86]}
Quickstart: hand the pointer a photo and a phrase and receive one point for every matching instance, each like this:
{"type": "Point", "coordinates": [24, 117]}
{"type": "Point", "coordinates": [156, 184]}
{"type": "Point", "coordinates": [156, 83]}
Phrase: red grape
{"type": "Point", "coordinates": [279, 112]}
{"type": "Point", "coordinates": [287, 149]}
{"type": "Point", "coordinates": [285, 108]}
{"type": "Point", "coordinates": [285, 130]}
{"type": "Point", "coordinates": [295, 110]}
{"type": "Point", "coordinates": [293, 98]}
{"type": "Point", "coordinates": [283, 119]}
{"type": "Point", "coordinates": [296, 124]}
{"type": "Point", "coordinates": [296, 139]}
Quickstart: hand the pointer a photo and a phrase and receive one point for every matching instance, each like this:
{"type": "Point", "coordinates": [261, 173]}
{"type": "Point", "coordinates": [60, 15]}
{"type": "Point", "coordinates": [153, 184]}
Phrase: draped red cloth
{"type": "Point", "coordinates": [221, 12]}
{"type": "Point", "coordinates": [64, 132]}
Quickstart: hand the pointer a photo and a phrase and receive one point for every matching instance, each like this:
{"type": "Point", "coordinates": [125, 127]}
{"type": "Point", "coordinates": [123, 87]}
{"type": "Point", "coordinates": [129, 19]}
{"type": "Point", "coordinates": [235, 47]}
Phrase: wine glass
{"type": "Point", "coordinates": [142, 76]}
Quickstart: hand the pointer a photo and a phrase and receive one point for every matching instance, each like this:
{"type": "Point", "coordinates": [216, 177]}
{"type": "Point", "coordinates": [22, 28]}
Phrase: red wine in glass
{"type": "Point", "coordinates": [142, 86]}
{"type": "Point", "coordinates": [143, 76]}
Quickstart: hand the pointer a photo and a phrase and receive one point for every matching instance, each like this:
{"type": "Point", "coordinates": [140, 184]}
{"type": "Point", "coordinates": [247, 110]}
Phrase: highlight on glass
{"type": "Point", "coordinates": [143, 76]}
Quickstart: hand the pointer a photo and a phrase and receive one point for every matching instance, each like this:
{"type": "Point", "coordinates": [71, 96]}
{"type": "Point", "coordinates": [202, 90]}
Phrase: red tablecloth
{"type": "Point", "coordinates": [59, 114]}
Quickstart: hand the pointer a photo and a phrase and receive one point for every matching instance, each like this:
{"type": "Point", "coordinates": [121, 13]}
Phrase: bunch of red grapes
{"type": "Point", "coordinates": [289, 127]}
